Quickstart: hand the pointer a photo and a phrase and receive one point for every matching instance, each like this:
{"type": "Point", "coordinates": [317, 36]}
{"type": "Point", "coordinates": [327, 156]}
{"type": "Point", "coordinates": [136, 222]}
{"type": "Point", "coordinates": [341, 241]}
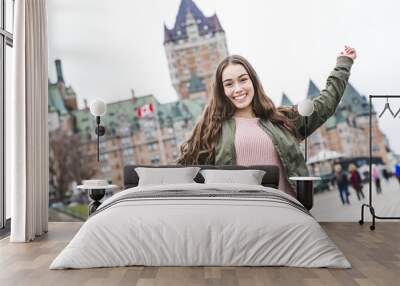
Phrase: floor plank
{"type": "Point", "coordinates": [374, 255]}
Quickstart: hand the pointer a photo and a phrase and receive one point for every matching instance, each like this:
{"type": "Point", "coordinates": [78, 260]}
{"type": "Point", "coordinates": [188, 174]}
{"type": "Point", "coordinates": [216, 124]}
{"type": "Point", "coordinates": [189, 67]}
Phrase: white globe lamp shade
{"type": "Point", "coordinates": [98, 107]}
{"type": "Point", "coordinates": [305, 107]}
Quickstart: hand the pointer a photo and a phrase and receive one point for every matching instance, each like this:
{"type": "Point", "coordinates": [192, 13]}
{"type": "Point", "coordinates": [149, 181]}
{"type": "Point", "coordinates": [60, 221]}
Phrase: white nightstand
{"type": "Point", "coordinates": [96, 193]}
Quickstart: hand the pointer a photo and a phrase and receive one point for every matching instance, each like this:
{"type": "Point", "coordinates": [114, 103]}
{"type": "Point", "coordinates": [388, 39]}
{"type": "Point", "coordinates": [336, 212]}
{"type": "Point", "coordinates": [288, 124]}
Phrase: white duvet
{"type": "Point", "coordinates": [183, 231]}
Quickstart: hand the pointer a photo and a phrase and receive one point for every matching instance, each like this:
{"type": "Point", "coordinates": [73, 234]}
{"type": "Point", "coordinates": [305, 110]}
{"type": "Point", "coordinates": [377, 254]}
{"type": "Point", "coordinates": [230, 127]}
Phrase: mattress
{"type": "Point", "coordinates": [201, 225]}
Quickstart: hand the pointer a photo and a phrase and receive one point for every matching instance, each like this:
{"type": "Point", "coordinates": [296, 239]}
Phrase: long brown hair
{"type": "Point", "coordinates": [199, 148]}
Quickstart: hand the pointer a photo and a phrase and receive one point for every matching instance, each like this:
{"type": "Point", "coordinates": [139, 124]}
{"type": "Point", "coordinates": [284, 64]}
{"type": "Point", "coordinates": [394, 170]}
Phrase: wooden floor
{"type": "Point", "coordinates": [374, 255]}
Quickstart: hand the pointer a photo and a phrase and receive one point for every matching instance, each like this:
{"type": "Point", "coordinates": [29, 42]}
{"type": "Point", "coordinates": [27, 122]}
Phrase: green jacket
{"type": "Point", "coordinates": [285, 143]}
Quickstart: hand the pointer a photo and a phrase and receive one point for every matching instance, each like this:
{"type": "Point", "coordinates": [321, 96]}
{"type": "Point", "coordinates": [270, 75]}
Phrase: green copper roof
{"type": "Point", "coordinates": [341, 115]}
{"type": "Point", "coordinates": [331, 122]}
{"type": "Point", "coordinates": [313, 90]}
{"type": "Point", "coordinates": [122, 115]}
{"type": "Point", "coordinates": [352, 98]}
{"type": "Point", "coordinates": [285, 100]}
{"type": "Point", "coordinates": [195, 106]}
{"type": "Point", "coordinates": [119, 114]}
{"type": "Point", "coordinates": [352, 101]}
{"type": "Point", "coordinates": [185, 109]}
{"type": "Point", "coordinates": [55, 100]}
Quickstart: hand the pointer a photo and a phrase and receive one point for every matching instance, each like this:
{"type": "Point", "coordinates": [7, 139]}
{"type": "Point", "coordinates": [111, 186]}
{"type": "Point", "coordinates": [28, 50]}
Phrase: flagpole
{"type": "Point", "coordinates": [160, 141]}
{"type": "Point", "coordinates": [148, 111]}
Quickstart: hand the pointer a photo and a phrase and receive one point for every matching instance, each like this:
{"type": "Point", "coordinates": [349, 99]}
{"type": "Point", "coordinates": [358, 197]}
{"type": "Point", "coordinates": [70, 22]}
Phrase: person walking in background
{"type": "Point", "coordinates": [343, 184]}
{"type": "Point", "coordinates": [377, 178]}
{"type": "Point", "coordinates": [397, 171]}
{"type": "Point", "coordinates": [356, 182]}
{"type": "Point", "coordinates": [385, 174]}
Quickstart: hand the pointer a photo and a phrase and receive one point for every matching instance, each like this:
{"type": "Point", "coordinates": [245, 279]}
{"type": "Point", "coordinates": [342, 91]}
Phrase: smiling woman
{"type": "Point", "coordinates": [239, 89]}
{"type": "Point", "coordinates": [241, 125]}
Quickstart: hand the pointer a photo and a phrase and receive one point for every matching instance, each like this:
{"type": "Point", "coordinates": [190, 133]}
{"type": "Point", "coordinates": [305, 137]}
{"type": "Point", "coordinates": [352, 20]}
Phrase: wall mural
{"type": "Point", "coordinates": [156, 85]}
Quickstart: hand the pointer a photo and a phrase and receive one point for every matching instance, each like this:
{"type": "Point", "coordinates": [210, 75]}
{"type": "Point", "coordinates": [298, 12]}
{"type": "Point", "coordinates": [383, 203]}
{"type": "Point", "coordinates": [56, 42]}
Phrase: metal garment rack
{"type": "Point", "coordinates": [371, 208]}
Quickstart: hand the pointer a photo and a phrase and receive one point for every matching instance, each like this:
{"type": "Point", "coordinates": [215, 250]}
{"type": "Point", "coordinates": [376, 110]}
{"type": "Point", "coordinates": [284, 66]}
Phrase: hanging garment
{"type": "Point", "coordinates": [398, 111]}
{"type": "Point", "coordinates": [398, 169]}
{"type": "Point", "coordinates": [387, 107]}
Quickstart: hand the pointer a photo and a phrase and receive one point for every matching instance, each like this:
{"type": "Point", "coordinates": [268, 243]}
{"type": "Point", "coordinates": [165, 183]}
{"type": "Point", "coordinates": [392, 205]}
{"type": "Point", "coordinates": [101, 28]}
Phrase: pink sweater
{"type": "Point", "coordinates": [255, 147]}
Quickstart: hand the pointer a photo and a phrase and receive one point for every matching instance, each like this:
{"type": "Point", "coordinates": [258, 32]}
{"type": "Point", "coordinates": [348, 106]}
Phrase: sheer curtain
{"type": "Point", "coordinates": [28, 153]}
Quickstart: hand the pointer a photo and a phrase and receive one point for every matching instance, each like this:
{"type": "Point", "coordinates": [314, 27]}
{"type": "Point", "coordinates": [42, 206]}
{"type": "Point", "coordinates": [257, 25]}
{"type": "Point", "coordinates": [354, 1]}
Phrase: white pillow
{"type": "Point", "coordinates": [163, 176]}
{"type": "Point", "coordinates": [249, 177]}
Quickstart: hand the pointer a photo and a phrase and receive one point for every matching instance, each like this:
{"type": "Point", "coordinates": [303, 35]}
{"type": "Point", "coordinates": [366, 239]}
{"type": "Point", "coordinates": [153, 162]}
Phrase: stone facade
{"type": "Point", "coordinates": [150, 140]}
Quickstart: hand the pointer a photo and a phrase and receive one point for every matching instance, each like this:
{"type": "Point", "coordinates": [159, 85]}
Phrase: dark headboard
{"type": "Point", "coordinates": [270, 179]}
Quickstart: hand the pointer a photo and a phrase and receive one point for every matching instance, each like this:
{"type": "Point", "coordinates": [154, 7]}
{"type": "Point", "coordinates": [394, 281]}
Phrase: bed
{"type": "Point", "coordinates": [201, 224]}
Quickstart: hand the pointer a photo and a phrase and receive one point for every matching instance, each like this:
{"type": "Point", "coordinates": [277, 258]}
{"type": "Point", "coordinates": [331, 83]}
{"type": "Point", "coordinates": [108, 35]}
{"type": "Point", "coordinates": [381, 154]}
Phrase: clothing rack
{"type": "Point", "coordinates": [370, 206]}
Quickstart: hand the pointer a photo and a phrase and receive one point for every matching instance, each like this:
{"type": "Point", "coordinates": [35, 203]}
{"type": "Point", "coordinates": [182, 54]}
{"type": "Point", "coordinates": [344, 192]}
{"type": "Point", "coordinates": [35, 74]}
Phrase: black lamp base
{"type": "Point", "coordinates": [100, 131]}
{"type": "Point", "coordinates": [96, 195]}
{"type": "Point", "coordinates": [305, 193]}
{"type": "Point", "coordinates": [305, 190]}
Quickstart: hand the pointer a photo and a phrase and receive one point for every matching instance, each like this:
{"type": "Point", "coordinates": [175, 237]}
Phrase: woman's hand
{"type": "Point", "coordinates": [349, 52]}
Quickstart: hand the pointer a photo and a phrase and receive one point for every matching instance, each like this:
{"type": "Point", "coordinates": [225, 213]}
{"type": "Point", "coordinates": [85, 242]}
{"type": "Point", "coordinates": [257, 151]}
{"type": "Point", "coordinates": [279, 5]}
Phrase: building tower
{"type": "Point", "coordinates": [194, 47]}
{"type": "Point", "coordinates": [68, 94]}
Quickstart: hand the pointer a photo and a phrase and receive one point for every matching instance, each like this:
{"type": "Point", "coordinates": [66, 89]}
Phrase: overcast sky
{"type": "Point", "coordinates": [108, 47]}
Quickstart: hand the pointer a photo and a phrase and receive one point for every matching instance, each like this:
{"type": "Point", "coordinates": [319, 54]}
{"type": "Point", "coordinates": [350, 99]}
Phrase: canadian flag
{"type": "Point", "coordinates": [144, 110]}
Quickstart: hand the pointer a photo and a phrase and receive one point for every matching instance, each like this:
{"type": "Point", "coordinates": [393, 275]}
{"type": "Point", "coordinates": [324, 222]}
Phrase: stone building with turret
{"type": "Point", "coordinates": [194, 47]}
{"type": "Point", "coordinates": [61, 101]}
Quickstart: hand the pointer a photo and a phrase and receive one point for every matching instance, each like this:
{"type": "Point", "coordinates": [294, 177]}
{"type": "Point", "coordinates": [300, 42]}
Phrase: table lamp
{"type": "Point", "coordinates": [305, 188]}
{"type": "Point", "coordinates": [98, 108]}
{"type": "Point", "coordinates": [305, 109]}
